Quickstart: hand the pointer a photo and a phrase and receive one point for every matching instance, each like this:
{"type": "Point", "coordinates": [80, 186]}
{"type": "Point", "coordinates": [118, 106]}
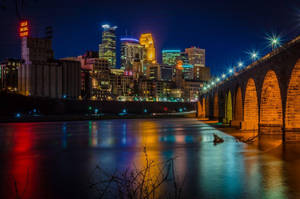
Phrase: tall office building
{"type": "Point", "coordinates": [107, 49]}
{"type": "Point", "coordinates": [196, 56]}
{"type": "Point", "coordinates": [166, 72]}
{"type": "Point", "coordinates": [147, 41]}
{"type": "Point", "coordinates": [131, 51]}
{"type": "Point", "coordinates": [169, 56]}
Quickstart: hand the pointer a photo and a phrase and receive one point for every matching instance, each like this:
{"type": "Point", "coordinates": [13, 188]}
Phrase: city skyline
{"type": "Point", "coordinates": [169, 30]}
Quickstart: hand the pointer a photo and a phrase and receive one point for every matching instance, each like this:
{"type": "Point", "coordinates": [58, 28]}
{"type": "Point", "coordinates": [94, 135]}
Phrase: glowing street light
{"type": "Point", "coordinates": [212, 83]}
{"type": "Point", "coordinates": [230, 70]}
{"type": "Point", "coordinates": [223, 76]}
{"type": "Point", "coordinates": [218, 79]}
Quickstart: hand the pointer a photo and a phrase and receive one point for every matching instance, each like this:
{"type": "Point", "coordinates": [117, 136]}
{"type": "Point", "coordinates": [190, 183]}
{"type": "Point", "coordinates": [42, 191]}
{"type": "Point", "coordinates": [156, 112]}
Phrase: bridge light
{"type": "Point", "coordinates": [230, 70]}
{"type": "Point", "coordinates": [223, 76]}
{"type": "Point", "coordinates": [212, 83]}
{"type": "Point", "coordinates": [274, 41]}
{"type": "Point", "coordinates": [254, 55]}
{"type": "Point", "coordinates": [240, 64]}
{"type": "Point", "coordinates": [218, 79]}
{"type": "Point", "coordinates": [204, 88]}
{"type": "Point", "coordinates": [208, 86]}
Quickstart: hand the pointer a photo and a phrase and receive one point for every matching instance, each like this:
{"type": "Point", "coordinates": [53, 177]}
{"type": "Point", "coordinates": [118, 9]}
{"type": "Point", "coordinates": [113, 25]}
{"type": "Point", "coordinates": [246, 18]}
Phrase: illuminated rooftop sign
{"type": "Point", "coordinates": [24, 28]}
{"type": "Point", "coordinates": [171, 51]}
{"type": "Point", "coordinates": [130, 39]}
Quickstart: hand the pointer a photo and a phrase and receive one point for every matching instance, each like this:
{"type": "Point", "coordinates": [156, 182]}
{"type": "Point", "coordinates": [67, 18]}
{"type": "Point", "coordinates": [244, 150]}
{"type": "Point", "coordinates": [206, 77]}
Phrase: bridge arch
{"type": "Point", "coordinates": [199, 109]}
{"type": "Point", "coordinates": [292, 113]}
{"type": "Point", "coordinates": [216, 105]}
{"type": "Point", "coordinates": [207, 107]}
{"type": "Point", "coordinates": [203, 107]}
{"type": "Point", "coordinates": [250, 107]}
{"type": "Point", "coordinates": [270, 104]}
{"type": "Point", "coordinates": [228, 108]}
{"type": "Point", "coordinates": [238, 108]}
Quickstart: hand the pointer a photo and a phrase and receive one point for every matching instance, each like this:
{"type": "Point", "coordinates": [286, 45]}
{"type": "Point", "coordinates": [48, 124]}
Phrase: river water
{"type": "Point", "coordinates": [58, 159]}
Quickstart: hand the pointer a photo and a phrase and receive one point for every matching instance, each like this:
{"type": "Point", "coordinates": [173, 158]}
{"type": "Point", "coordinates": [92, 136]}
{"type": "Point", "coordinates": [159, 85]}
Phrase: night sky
{"type": "Point", "coordinates": [226, 29]}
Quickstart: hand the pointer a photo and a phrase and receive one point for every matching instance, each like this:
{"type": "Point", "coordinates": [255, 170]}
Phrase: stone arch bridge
{"type": "Point", "coordinates": [264, 96]}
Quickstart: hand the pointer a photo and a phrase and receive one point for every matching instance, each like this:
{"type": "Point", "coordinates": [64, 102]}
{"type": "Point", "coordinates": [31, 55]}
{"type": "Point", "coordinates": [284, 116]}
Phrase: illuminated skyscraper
{"type": "Point", "coordinates": [107, 49]}
{"type": "Point", "coordinates": [146, 40]}
{"type": "Point", "coordinates": [169, 56]}
{"type": "Point", "coordinates": [131, 51]}
{"type": "Point", "coordinates": [196, 56]}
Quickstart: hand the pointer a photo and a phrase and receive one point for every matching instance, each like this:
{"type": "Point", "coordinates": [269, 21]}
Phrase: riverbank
{"type": "Point", "coordinates": [56, 118]}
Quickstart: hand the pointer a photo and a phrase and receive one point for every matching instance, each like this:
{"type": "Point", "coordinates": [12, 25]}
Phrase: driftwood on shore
{"type": "Point", "coordinates": [217, 139]}
{"type": "Point", "coordinates": [248, 140]}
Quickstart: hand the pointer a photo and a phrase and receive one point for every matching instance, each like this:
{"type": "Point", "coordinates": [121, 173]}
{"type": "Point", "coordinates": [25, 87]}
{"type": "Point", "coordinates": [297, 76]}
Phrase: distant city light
{"type": "Point", "coordinates": [218, 79]}
{"type": "Point", "coordinates": [171, 51]}
{"type": "Point", "coordinates": [18, 115]}
{"type": "Point", "coordinates": [187, 66]}
{"type": "Point", "coordinates": [223, 76]}
{"type": "Point", "coordinates": [124, 110]}
{"type": "Point", "coordinates": [180, 110]}
{"type": "Point", "coordinates": [145, 110]}
{"type": "Point", "coordinates": [212, 83]}
{"type": "Point", "coordinates": [240, 64]}
{"type": "Point", "coordinates": [96, 111]}
{"type": "Point", "coordinates": [130, 39]}
{"type": "Point", "coordinates": [204, 88]}
{"type": "Point", "coordinates": [230, 70]}
{"type": "Point", "coordinates": [105, 26]}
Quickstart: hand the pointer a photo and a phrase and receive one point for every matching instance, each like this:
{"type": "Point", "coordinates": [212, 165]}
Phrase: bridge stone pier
{"type": "Point", "coordinates": [264, 96]}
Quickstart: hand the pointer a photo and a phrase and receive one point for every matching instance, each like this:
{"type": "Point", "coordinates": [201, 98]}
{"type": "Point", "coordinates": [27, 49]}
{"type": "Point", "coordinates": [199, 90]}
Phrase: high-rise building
{"type": "Point", "coordinates": [131, 51]}
{"type": "Point", "coordinates": [153, 72]}
{"type": "Point", "coordinates": [188, 71]}
{"type": "Point", "coordinates": [196, 56]}
{"type": "Point", "coordinates": [107, 49]}
{"type": "Point", "coordinates": [169, 56]}
{"type": "Point", "coordinates": [201, 73]}
{"type": "Point", "coordinates": [147, 41]}
{"type": "Point", "coordinates": [166, 72]}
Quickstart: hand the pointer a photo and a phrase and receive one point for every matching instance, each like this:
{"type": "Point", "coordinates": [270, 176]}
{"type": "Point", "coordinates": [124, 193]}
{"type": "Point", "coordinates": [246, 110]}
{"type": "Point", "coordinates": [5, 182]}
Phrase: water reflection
{"type": "Point", "coordinates": [57, 159]}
